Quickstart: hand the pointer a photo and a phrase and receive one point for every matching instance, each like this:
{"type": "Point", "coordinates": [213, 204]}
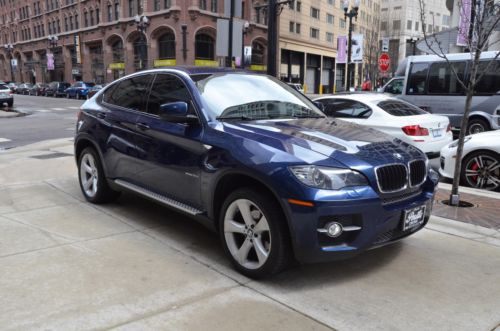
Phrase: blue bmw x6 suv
{"type": "Point", "coordinates": [255, 160]}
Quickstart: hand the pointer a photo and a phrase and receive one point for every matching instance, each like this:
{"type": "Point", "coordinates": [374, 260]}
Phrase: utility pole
{"type": "Point", "coordinates": [352, 13]}
{"type": "Point", "coordinates": [229, 58]}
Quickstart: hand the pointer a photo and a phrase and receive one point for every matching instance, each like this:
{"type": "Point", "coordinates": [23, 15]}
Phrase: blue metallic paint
{"type": "Point", "coordinates": [263, 150]}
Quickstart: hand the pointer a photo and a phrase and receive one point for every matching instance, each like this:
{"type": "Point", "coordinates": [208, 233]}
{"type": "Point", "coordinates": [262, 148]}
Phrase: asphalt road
{"type": "Point", "coordinates": [46, 118]}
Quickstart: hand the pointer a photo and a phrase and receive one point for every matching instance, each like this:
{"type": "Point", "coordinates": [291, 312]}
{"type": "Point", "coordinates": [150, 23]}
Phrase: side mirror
{"type": "Point", "coordinates": [176, 112]}
{"type": "Point", "coordinates": [320, 105]}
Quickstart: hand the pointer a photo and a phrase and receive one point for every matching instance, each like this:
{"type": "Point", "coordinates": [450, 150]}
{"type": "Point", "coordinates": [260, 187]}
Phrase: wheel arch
{"type": "Point", "coordinates": [84, 142]}
{"type": "Point", "coordinates": [231, 181]}
{"type": "Point", "coordinates": [481, 150]}
{"type": "Point", "coordinates": [481, 116]}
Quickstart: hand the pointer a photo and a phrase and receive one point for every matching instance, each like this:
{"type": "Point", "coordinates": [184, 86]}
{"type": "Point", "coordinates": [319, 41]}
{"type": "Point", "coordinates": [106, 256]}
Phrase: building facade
{"type": "Point", "coordinates": [98, 40]}
{"type": "Point", "coordinates": [308, 42]}
{"type": "Point", "coordinates": [401, 22]}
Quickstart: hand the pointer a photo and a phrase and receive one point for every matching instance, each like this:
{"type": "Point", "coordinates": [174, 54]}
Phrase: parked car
{"type": "Point", "coordinates": [13, 86]}
{"type": "Point", "coordinates": [37, 89]}
{"type": "Point", "coordinates": [78, 90]}
{"type": "Point", "coordinates": [480, 161]}
{"type": "Point", "coordinates": [56, 89]}
{"type": "Point", "coordinates": [395, 117]}
{"type": "Point", "coordinates": [254, 160]}
{"type": "Point", "coordinates": [296, 86]}
{"type": "Point", "coordinates": [94, 89]}
{"type": "Point", "coordinates": [24, 88]}
{"type": "Point", "coordinates": [6, 96]}
{"type": "Point", "coordinates": [394, 86]}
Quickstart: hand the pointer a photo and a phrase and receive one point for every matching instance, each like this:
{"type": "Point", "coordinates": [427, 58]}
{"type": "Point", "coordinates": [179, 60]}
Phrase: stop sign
{"type": "Point", "coordinates": [384, 62]}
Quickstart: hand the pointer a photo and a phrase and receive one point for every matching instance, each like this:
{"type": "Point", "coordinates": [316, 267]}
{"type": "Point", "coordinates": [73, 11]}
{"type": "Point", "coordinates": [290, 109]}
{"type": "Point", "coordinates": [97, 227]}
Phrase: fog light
{"type": "Point", "coordinates": [334, 229]}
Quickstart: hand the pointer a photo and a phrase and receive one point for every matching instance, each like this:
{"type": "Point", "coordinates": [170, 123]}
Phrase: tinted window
{"type": "Point", "coordinates": [442, 79]}
{"type": "Point", "coordinates": [417, 78]}
{"type": "Point", "coordinates": [490, 82]}
{"type": "Point", "coordinates": [342, 108]}
{"type": "Point", "coordinates": [130, 93]}
{"type": "Point", "coordinates": [165, 89]}
{"type": "Point", "coordinates": [395, 87]}
{"type": "Point", "coordinates": [3, 87]}
{"type": "Point", "coordinates": [400, 108]}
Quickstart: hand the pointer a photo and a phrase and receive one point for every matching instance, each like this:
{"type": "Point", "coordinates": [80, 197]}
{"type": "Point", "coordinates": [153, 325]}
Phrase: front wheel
{"type": "Point", "coordinates": [92, 180]}
{"type": "Point", "coordinates": [481, 170]}
{"type": "Point", "coordinates": [254, 233]}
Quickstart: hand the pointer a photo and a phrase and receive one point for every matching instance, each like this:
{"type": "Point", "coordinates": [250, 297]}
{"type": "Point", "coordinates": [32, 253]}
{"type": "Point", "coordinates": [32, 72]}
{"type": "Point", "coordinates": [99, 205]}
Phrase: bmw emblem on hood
{"type": "Point", "coordinates": [398, 156]}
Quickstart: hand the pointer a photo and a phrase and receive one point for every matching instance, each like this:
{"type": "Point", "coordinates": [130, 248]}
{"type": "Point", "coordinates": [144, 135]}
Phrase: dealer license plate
{"type": "Point", "coordinates": [413, 217]}
{"type": "Point", "coordinates": [436, 133]}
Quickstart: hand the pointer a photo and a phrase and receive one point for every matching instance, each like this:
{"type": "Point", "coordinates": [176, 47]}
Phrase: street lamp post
{"type": "Point", "coordinates": [246, 27]}
{"type": "Point", "coordinates": [350, 13]}
{"type": "Point", "coordinates": [9, 48]}
{"type": "Point", "coordinates": [142, 23]}
{"type": "Point", "coordinates": [53, 40]}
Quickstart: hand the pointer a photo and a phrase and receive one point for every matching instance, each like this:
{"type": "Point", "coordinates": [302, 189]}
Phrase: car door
{"type": "Point", "coordinates": [170, 153]}
{"type": "Point", "coordinates": [123, 102]}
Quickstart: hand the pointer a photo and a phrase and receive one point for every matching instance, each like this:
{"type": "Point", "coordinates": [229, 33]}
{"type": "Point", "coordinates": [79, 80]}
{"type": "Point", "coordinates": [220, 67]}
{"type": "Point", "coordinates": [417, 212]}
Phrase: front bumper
{"type": "Point", "coordinates": [381, 224]}
{"type": "Point", "coordinates": [447, 162]}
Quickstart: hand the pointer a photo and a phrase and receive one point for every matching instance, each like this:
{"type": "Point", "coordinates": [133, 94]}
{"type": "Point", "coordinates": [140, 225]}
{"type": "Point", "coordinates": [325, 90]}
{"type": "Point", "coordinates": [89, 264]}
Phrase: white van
{"type": "Point", "coordinates": [431, 85]}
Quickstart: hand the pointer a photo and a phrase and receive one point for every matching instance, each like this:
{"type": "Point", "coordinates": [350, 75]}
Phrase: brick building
{"type": "Point", "coordinates": [98, 40]}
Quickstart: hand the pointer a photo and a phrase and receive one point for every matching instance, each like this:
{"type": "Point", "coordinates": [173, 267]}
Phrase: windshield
{"type": "Point", "coordinates": [400, 108]}
{"type": "Point", "coordinates": [252, 97]}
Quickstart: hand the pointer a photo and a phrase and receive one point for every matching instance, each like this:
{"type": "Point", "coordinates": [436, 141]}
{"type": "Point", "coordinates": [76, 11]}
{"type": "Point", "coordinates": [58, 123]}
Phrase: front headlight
{"type": "Point", "coordinates": [455, 143]}
{"type": "Point", "coordinates": [328, 178]}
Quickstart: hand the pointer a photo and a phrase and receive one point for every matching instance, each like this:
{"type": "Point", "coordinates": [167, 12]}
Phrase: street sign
{"type": "Point", "coordinates": [385, 44]}
{"type": "Point", "coordinates": [384, 62]}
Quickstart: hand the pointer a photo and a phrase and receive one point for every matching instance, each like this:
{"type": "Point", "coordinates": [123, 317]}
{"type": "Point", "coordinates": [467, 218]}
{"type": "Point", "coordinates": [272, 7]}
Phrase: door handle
{"type": "Point", "coordinates": [101, 115]}
{"type": "Point", "coordinates": [142, 126]}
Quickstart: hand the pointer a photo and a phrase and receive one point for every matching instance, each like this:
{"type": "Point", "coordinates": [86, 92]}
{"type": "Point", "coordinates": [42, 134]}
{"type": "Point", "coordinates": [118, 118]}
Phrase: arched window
{"type": "Point", "coordinates": [258, 51]}
{"type": "Point", "coordinates": [204, 47]}
{"type": "Point", "coordinates": [117, 49]}
{"type": "Point", "coordinates": [166, 46]}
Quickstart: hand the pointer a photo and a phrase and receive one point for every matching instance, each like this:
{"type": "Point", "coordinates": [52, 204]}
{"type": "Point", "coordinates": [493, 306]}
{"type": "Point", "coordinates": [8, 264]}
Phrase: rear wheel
{"type": "Point", "coordinates": [481, 170]}
{"type": "Point", "coordinates": [92, 179]}
{"type": "Point", "coordinates": [254, 233]}
{"type": "Point", "coordinates": [477, 125]}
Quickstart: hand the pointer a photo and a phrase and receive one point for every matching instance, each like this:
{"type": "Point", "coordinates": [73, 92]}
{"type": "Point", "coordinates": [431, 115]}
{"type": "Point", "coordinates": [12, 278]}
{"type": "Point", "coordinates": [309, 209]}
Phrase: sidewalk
{"type": "Point", "coordinates": [135, 265]}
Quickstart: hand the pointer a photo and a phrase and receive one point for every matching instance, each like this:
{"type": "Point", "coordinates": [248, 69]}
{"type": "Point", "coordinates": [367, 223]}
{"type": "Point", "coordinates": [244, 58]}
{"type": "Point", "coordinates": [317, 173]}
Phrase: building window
{"type": "Point", "coordinates": [342, 23]}
{"type": "Point", "coordinates": [213, 6]}
{"type": "Point", "coordinates": [383, 26]}
{"type": "Point", "coordinates": [416, 25]}
{"type": "Point", "coordinates": [292, 27]}
{"type": "Point", "coordinates": [131, 8]}
{"type": "Point", "coordinates": [396, 25]}
{"type": "Point", "coordinates": [167, 4]}
{"type": "Point", "coordinates": [85, 20]}
{"type": "Point", "coordinates": [331, 2]}
{"type": "Point", "coordinates": [329, 19]}
{"type": "Point", "coordinates": [97, 16]}
{"type": "Point", "coordinates": [77, 23]}
{"type": "Point", "coordinates": [66, 27]}
{"type": "Point", "coordinates": [314, 33]}
{"type": "Point", "coordinates": [117, 50]}
{"type": "Point", "coordinates": [315, 12]}
{"type": "Point", "coordinates": [297, 28]}
{"type": "Point", "coordinates": [91, 17]}
{"type": "Point", "coordinates": [117, 11]}
{"type": "Point", "coordinates": [408, 25]}
{"type": "Point", "coordinates": [329, 37]}
{"type": "Point", "coordinates": [446, 20]}
{"type": "Point", "coordinates": [156, 5]}
{"type": "Point", "coordinates": [166, 46]}
{"type": "Point", "coordinates": [258, 53]}
{"type": "Point", "coordinates": [110, 13]}
{"type": "Point", "coordinates": [204, 47]}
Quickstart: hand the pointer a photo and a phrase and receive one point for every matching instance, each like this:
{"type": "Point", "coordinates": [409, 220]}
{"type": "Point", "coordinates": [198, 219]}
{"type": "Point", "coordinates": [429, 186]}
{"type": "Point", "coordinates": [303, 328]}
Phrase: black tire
{"type": "Point", "coordinates": [279, 255]}
{"type": "Point", "coordinates": [477, 125]}
{"type": "Point", "coordinates": [10, 104]}
{"type": "Point", "coordinates": [103, 192]}
{"type": "Point", "coordinates": [469, 164]}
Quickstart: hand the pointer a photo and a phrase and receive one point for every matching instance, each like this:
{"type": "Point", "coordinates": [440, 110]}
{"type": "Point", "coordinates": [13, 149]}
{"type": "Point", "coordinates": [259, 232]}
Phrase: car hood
{"type": "Point", "coordinates": [346, 143]}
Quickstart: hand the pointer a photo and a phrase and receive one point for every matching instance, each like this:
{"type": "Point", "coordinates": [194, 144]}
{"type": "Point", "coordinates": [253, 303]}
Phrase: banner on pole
{"type": "Point", "coordinates": [464, 23]}
{"type": "Point", "coordinates": [341, 49]}
{"type": "Point", "coordinates": [357, 48]}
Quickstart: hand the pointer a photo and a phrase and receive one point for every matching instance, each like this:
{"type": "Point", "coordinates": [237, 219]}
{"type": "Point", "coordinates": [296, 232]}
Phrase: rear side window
{"type": "Point", "coordinates": [400, 108]}
{"type": "Point", "coordinates": [129, 93]}
{"type": "Point", "coordinates": [442, 79]}
{"type": "Point", "coordinates": [343, 108]}
{"type": "Point", "coordinates": [3, 87]}
{"type": "Point", "coordinates": [167, 88]}
{"type": "Point", "coordinates": [417, 78]}
{"type": "Point", "coordinates": [490, 82]}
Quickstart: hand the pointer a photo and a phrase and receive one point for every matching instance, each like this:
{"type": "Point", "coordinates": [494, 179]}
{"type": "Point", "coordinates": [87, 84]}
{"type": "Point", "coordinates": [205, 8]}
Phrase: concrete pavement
{"type": "Point", "coordinates": [67, 264]}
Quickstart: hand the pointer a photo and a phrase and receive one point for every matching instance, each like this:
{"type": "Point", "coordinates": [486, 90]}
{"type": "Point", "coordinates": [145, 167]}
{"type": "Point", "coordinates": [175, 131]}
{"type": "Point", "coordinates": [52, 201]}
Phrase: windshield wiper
{"type": "Point", "coordinates": [241, 118]}
{"type": "Point", "coordinates": [307, 116]}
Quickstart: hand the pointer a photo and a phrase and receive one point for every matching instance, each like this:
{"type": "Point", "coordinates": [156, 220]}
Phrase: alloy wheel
{"type": "Point", "coordinates": [483, 171]}
{"type": "Point", "coordinates": [89, 175]}
{"type": "Point", "coordinates": [247, 234]}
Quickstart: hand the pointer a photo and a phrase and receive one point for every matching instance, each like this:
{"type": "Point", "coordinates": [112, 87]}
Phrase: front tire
{"type": "Point", "coordinates": [481, 170]}
{"type": "Point", "coordinates": [92, 179]}
{"type": "Point", "coordinates": [254, 233]}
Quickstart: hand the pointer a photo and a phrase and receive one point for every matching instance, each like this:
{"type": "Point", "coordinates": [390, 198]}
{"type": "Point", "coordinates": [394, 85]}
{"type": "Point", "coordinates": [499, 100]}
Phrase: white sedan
{"type": "Point", "coordinates": [480, 161]}
{"type": "Point", "coordinates": [395, 117]}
